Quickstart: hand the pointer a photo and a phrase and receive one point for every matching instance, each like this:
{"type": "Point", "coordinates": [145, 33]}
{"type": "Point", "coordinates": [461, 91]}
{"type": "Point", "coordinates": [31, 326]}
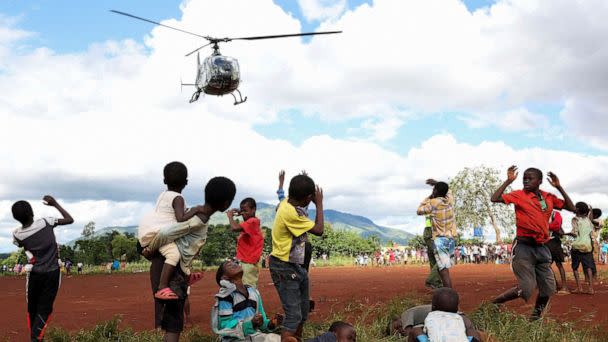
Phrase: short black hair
{"type": "Point", "coordinates": [538, 172]}
{"type": "Point", "coordinates": [22, 211]}
{"type": "Point", "coordinates": [301, 186]}
{"type": "Point", "coordinates": [582, 208]}
{"type": "Point", "coordinates": [218, 191]}
{"type": "Point", "coordinates": [220, 273]}
{"type": "Point", "coordinates": [176, 174]}
{"type": "Point", "coordinates": [250, 202]}
{"type": "Point", "coordinates": [445, 299]}
{"type": "Point", "coordinates": [597, 212]}
{"type": "Point", "coordinates": [441, 189]}
{"type": "Point", "coordinates": [339, 325]}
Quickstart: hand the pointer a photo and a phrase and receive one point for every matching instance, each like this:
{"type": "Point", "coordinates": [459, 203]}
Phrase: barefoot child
{"type": "Point", "coordinates": [238, 313]}
{"type": "Point", "coordinates": [38, 237]}
{"type": "Point", "coordinates": [289, 231]}
{"type": "Point", "coordinates": [170, 208]}
{"type": "Point", "coordinates": [555, 247]}
{"type": "Point", "coordinates": [582, 246]}
{"type": "Point", "coordinates": [531, 257]}
{"type": "Point", "coordinates": [250, 242]}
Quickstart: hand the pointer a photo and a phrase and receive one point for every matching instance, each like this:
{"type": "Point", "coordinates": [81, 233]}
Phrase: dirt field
{"type": "Point", "coordinates": [85, 300]}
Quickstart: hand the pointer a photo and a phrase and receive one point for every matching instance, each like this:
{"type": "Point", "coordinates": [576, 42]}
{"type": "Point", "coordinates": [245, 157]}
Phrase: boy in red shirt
{"type": "Point", "coordinates": [531, 258]}
{"type": "Point", "coordinates": [250, 242]}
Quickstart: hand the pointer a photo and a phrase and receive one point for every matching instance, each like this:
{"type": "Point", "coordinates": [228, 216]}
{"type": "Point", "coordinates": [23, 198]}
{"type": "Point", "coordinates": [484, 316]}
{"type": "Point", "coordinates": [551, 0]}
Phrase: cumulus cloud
{"type": "Point", "coordinates": [322, 9]}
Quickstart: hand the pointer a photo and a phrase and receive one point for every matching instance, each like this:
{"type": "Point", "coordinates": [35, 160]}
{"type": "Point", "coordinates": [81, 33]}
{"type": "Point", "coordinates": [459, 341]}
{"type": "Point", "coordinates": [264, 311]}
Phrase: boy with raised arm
{"type": "Point", "coordinates": [38, 237]}
{"type": "Point", "coordinates": [440, 208]}
{"type": "Point", "coordinates": [289, 234]}
{"type": "Point", "coordinates": [531, 257]}
{"type": "Point", "coordinates": [250, 243]}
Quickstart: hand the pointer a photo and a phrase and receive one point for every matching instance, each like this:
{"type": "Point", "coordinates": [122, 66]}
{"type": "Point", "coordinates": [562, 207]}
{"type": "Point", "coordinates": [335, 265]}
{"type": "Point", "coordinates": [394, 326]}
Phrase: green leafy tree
{"type": "Point", "coordinates": [472, 189]}
{"type": "Point", "coordinates": [604, 231]}
{"type": "Point", "coordinates": [88, 230]}
{"type": "Point", "coordinates": [17, 257]}
{"type": "Point", "coordinates": [123, 245]}
{"type": "Point", "coordinates": [66, 252]}
{"type": "Point", "coordinates": [416, 242]}
{"type": "Point", "coordinates": [220, 244]}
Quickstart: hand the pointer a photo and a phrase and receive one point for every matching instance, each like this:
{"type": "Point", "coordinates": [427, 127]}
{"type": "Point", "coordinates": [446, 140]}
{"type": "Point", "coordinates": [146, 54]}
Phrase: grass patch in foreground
{"type": "Point", "coordinates": [370, 322]}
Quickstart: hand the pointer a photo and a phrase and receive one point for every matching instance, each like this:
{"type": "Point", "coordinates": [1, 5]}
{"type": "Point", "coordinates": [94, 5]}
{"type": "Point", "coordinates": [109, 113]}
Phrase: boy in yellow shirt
{"type": "Point", "coordinates": [289, 235]}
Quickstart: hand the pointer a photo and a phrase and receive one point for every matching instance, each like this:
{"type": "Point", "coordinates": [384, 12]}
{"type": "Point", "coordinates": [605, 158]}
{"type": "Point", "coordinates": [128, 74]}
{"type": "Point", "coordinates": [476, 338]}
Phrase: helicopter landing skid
{"type": "Point", "coordinates": [238, 102]}
{"type": "Point", "coordinates": [195, 96]}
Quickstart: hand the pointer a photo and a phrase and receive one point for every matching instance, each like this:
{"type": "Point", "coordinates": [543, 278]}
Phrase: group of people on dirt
{"type": "Point", "coordinates": [171, 236]}
{"type": "Point", "coordinates": [538, 237]}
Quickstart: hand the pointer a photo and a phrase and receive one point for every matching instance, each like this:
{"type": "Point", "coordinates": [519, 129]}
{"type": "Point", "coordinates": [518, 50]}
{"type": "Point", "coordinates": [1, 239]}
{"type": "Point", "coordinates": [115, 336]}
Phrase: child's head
{"type": "Point", "coordinates": [445, 299]}
{"type": "Point", "coordinates": [344, 331]}
{"type": "Point", "coordinates": [597, 213]}
{"type": "Point", "coordinates": [248, 207]}
{"type": "Point", "coordinates": [228, 270]}
{"type": "Point", "coordinates": [302, 189]}
{"type": "Point", "coordinates": [22, 212]}
{"type": "Point", "coordinates": [582, 209]}
{"type": "Point", "coordinates": [532, 179]}
{"type": "Point", "coordinates": [219, 193]}
{"type": "Point", "coordinates": [440, 190]}
{"type": "Point", "coordinates": [176, 175]}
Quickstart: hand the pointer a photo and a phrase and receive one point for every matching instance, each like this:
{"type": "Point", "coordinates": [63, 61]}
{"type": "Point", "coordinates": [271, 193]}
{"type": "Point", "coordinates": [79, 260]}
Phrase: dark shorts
{"type": "Point", "coordinates": [532, 267]}
{"type": "Point", "coordinates": [291, 282]}
{"type": "Point", "coordinates": [555, 247]}
{"type": "Point", "coordinates": [582, 258]}
{"type": "Point", "coordinates": [168, 315]}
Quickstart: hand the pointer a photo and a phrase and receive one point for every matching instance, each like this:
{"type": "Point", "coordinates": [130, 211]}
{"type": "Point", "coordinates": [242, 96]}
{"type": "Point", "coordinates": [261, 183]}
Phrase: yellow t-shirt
{"type": "Point", "coordinates": [287, 225]}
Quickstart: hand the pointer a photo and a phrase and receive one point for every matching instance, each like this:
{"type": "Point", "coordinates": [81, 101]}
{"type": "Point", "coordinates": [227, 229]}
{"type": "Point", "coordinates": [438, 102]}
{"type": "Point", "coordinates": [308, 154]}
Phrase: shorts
{"type": "Point", "coordinates": [414, 317]}
{"type": "Point", "coordinates": [555, 247]}
{"type": "Point", "coordinates": [444, 251]}
{"type": "Point", "coordinates": [532, 268]}
{"type": "Point", "coordinates": [251, 272]}
{"type": "Point", "coordinates": [291, 282]}
{"type": "Point", "coordinates": [582, 258]}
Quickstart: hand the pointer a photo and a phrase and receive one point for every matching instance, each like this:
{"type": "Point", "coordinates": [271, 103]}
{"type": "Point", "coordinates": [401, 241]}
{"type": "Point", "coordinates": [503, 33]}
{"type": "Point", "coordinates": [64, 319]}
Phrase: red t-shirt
{"type": "Point", "coordinates": [530, 219]}
{"type": "Point", "coordinates": [556, 224]}
{"type": "Point", "coordinates": [251, 241]}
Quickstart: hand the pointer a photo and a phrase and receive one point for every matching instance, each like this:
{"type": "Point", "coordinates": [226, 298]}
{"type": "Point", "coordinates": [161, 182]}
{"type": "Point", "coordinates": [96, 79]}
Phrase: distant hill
{"type": "Point", "coordinates": [339, 220]}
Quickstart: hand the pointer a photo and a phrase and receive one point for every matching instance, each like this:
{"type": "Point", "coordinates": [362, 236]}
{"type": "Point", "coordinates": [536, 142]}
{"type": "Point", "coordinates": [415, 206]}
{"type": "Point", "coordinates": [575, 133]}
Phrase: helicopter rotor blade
{"type": "Point", "coordinates": [188, 54]}
{"type": "Point", "coordinates": [283, 35]}
{"type": "Point", "coordinates": [157, 23]}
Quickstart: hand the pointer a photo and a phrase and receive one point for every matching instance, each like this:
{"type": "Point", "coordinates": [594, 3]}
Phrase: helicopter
{"type": "Point", "coordinates": [219, 75]}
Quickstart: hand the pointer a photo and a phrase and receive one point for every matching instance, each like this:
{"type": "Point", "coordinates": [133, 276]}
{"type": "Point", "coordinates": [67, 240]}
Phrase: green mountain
{"type": "Point", "coordinates": [339, 220]}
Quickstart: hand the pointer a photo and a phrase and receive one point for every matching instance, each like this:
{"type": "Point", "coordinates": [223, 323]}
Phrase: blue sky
{"type": "Point", "coordinates": [411, 89]}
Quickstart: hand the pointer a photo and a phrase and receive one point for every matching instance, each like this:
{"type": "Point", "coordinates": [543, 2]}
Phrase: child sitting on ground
{"type": "Point", "coordinates": [582, 246]}
{"type": "Point", "coordinates": [444, 323]}
{"type": "Point", "coordinates": [170, 208]}
{"type": "Point", "coordinates": [250, 242]}
{"type": "Point", "coordinates": [238, 313]}
{"type": "Point", "coordinates": [338, 332]}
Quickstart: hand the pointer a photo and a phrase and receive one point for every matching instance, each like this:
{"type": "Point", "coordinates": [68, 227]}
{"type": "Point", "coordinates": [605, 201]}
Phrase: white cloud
{"type": "Point", "coordinates": [322, 9]}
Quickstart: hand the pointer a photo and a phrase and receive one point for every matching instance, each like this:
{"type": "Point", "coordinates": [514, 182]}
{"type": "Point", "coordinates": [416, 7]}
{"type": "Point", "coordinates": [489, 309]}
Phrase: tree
{"type": "Point", "coordinates": [472, 189]}
{"type": "Point", "coordinates": [604, 231]}
{"type": "Point", "coordinates": [124, 245]}
{"type": "Point", "coordinates": [88, 230]}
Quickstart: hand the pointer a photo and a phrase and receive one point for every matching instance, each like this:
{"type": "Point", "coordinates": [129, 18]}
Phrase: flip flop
{"type": "Point", "coordinates": [165, 294]}
{"type": "Point", "coordinates": [194, 277]}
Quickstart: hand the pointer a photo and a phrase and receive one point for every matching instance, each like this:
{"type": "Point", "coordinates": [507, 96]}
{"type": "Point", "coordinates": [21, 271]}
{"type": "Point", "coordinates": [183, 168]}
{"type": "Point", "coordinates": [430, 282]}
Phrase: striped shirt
{"type": "Point", "coordinates": [441, 212]}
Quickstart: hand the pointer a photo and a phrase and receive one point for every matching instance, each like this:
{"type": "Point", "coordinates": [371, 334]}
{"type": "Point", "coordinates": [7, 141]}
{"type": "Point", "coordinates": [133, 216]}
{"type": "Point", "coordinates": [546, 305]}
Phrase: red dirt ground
{"type": "Point", "coordinates": [84, 301]}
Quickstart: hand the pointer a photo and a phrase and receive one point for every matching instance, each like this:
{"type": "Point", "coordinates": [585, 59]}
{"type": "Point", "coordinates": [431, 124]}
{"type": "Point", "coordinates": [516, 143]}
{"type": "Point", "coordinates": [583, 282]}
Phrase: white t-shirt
{"type": "Point", "coordinates": [441, 326]}
{"type": "Point", "coordinates": [163, 215]}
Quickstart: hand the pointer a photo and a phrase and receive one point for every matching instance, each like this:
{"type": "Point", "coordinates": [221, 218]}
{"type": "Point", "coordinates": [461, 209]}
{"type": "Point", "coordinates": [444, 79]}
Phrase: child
{"type": "Point", "coordinates": [238, 313]}
{"type": "Point", "coordinates": [189, 237]}
{"type": "Point", "coordinates": [170, 209]}
{"type": "Point", "coordinates": [440, 207]}
{"type": "Point", "coordinates": [338, 332]}
{"type": "Point", "coordinates": [250, 242]}
{"type": "Point", "coordinates": [582, 246]}
{"type": "Point", "coordinates": [531, 258]}
{"type": "Point", "coordinates": [38, 237]}
{"type": "Point", "coordinates": [288, 239]}
{"type": "Point", "coordinates": [556, 249]}
{"type": "Point", "coordinates": [444, 323]}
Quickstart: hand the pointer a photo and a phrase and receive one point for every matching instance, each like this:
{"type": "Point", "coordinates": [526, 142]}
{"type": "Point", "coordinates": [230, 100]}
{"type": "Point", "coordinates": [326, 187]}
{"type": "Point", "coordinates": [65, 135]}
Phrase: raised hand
{"type": "Point", "coordinates": [553, 180]}
{"type": "Point", "coordinates": [282, 176]}
{"type": "Point", "coordinates": [49, 200]}
{"type": "Point", "coordinates": [431, 182]}
{"type": "Point", "coordinates": [318, 199]}
{"type": "Point", "coordinates": [512, 173]}
{"type": "Point", "coordinates": [232, 212]}
{"type": "Point", "coordinates": [304, 173]}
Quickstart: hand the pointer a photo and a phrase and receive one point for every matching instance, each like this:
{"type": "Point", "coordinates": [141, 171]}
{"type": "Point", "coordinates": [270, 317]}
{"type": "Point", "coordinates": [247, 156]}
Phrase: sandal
{"type": "Point", "coordinates": [165, 294]}
{"type": "Point", "coordinates": [194, 277]}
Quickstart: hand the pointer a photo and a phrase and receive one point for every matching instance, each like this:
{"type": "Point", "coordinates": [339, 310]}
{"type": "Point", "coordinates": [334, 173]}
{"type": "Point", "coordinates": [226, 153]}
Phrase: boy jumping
{"type": "Point", "coordinates": [38, 237]}
{"type": "Point", "coordinates": [289, 233]}
{"type": "Point", "coordinates": [531, 257]}
{"type": "Point", "coordinates": [440, 208]}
